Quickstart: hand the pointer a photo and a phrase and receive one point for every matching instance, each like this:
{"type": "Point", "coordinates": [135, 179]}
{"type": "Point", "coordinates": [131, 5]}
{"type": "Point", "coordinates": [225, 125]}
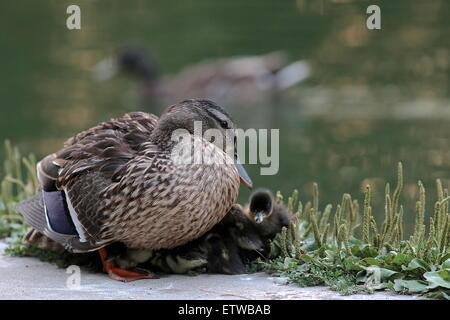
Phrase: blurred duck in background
{"type": "Point", "coordinates": [240, 80]}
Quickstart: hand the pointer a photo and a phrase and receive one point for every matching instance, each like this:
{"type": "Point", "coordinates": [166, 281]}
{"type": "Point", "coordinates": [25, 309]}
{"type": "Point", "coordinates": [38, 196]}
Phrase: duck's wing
{"type": "Point", "coordinates": [73, 178]}
{"type": "Point", "coordinates": [135, 126]}
{"type": "Point", "coordinates": [107, 145]}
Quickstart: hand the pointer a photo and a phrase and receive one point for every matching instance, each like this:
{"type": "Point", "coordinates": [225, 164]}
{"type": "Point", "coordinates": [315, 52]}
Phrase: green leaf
{"type": "Point", "coordinates": [354, 266]}
{"type": "Point", "coordinates": [410, 286]}
{"type": "Point", "coordinates": [441, 294]}
{"type": "Point", "coordinates": [381, 273]}
{"type": "Point", "coordinates": [386, 273]}
{"type": "Point", "coordinates": [446, 264]}
{"type": "Point", "coordinates": [402, 259]}
{"type": "Point", "coordinates": [445, 257]}
{"type": "Point", "coordinates": [356, 251]}
{"type": "Point", "coordinates": [364, 252]}
{"type": "Point", "coordinates": [289, 263]}
{"type": "Point", "coordinates": [330, 254]}
{"type": "Point", "coordinates": [417, 264]}
{"type": "Point", "coordinates": [307, 258]}
{"type": "Point", "coordinates": [389, 257]}
{"type": "Point", "coordinates": [438, 279]}
{"type": "Point", "coordinates": [371, 261]}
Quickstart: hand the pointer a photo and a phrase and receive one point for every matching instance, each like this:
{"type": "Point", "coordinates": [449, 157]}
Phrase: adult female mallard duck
{"type": "Point", "coordinates": [121, 181]}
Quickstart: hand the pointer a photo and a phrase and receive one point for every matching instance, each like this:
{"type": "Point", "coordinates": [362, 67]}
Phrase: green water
{"type": "Point", "coordinates": [374, 98]}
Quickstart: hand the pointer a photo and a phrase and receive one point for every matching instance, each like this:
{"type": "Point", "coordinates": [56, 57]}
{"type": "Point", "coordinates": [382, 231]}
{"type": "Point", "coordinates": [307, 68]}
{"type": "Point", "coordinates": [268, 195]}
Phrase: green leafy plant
{"type": "Point", "coordinates": [319, 249]}
{"type": "Point", "coordinates": [18, 183]}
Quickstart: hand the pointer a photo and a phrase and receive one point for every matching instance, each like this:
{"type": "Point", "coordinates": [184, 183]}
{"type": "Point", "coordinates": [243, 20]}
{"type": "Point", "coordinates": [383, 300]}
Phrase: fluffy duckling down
{"type": "Point", "coordinates": [243, 235]}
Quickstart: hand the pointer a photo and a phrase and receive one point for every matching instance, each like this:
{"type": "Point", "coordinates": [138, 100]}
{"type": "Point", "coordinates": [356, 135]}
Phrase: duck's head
{"type": "Point", "coordinates": [198, 116]}
{"type": "Point", "coordinates": [138, 62]}
{"type": "Point", "coordinates": [261, 205]}
{"type": "Point", "coordinates": [134, 60]}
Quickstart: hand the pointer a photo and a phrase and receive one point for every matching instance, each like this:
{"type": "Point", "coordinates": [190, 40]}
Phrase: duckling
{"type": "Point", "coordinates": [243, 235]}
{"type": "Point", "coordinates": [269, 216]}
{"type": "Point", "coordinates": [227, 243]}
{"type": "Point", "coordinates": [230, 80]}
{"type": "Point", "coordinates": [217, 251]}
{"type": "Point", "coordinates": [120, 181]}
{"type": "Point", "coordinates": [35, 238]}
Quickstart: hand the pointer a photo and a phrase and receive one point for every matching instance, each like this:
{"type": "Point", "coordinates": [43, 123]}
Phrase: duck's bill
{"type": "Point", "coordinates": [245, 179]}
{"type": "Point", "coordinates": [259, 217]}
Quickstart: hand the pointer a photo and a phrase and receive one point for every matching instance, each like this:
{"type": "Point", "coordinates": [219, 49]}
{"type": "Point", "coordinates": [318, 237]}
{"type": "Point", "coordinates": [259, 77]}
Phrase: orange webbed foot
{"type": "Point", "coordinates": [123, 275]}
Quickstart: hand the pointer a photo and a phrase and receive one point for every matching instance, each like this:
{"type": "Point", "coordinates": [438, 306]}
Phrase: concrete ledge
{"type": "Point", "coordinates": [29, 278]}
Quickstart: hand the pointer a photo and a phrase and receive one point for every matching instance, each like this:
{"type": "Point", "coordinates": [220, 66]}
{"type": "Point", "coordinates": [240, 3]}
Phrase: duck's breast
{"type": "Point", "coordinates": [164, 202]}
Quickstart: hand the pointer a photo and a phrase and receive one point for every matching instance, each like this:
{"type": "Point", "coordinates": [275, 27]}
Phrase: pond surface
{"type": "Point", "coordinates": [374, 97]}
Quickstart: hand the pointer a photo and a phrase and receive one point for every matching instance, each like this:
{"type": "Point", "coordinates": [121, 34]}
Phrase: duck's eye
{"type": "Point", "coordinates": [224, 124]}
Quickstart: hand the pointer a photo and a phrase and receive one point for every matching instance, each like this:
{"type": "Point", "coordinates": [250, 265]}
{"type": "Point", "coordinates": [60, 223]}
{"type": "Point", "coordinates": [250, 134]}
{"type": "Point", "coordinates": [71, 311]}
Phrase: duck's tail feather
{"type": "Point", "coordinates": [293, 74]}
{"type": "Point", "coordinates": [33, 212]}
